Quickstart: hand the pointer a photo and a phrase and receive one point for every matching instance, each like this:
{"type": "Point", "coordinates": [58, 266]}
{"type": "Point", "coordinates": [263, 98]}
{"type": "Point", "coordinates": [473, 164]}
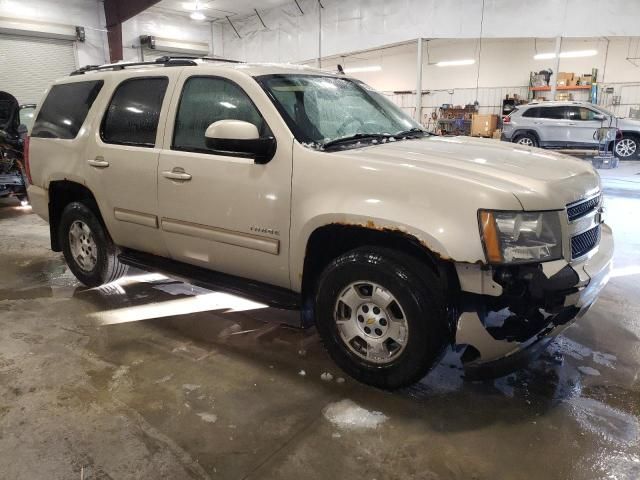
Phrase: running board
{"type": "Point", "coordinates": [276, 297]}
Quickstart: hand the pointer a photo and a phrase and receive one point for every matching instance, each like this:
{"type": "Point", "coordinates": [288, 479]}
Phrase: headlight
{"type": "Point", "coordinates": [519, 237]}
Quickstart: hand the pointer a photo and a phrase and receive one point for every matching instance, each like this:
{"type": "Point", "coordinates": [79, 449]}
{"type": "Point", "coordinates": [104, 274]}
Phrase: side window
{"type": "Point", "coordinates": [206, 100]}
{"type": "Point", "coordinates": [26, 116]}
{"type": "Point", "coordinates": [532, 112]}
{"type": "Point", "coordinates": [132, 116]}
{"type": "Point", "coordinates": [65, 109]}
{"type": "Point", "coordinates": [553, 113]}
{"type": "Point", "coordinates": [580, 113]}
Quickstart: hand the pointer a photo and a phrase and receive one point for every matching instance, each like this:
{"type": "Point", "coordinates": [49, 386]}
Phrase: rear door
{"type": "Point", "coordinates": [583, 126]}
{"type": "Point", "coordinates": [552, 125]}
{"type": "Point", "coordinates": [122, 161]}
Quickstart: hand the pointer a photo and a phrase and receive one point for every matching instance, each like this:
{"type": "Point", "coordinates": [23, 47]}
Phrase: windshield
{"type": "Point", "coordinates": [321, 110]}
{"type": "Point", "coordinates": [604, 110]}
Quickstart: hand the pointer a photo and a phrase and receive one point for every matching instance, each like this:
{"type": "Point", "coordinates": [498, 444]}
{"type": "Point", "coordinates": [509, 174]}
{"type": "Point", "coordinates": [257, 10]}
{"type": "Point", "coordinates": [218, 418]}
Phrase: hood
{"type": "Point", "coordinates": [628, 123]}
{"type": "Point", "coordinates": [540, 179]}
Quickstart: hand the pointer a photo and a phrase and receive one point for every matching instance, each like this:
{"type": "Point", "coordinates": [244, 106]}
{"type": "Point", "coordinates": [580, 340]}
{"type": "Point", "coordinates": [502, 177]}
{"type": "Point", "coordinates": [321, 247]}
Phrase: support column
{"type": "Point", "coordinates": [554, 78]}
{"type": "Point", "coordinates": [418, 113]}
{"type": "Point", "coordinates": [116, 12]}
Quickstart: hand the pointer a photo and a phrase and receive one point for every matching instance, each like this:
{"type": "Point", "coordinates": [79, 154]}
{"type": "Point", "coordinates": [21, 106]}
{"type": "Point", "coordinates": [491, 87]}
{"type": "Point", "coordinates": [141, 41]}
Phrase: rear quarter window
{"type": "Point", "coordinates": [65, 109]}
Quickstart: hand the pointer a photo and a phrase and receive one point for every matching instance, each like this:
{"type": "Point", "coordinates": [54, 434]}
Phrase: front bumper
{"type": "Point", "coordinates": [497, 333]}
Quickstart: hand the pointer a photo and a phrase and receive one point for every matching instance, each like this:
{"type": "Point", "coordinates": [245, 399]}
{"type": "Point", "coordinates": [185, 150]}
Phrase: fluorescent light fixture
{"type": "Point", "coordinates": [571, 54]}
{"type": "Point", "coordinates": [456, 63]}
{"type": "Point", "coordinates": [371, 68]}
{"type": "Point", "coordinates": [197, 16]}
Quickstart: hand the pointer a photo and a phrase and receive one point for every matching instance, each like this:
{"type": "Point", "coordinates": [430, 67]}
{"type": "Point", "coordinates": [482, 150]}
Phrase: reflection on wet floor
{"type": "Point", "coordinates": [231, 388]}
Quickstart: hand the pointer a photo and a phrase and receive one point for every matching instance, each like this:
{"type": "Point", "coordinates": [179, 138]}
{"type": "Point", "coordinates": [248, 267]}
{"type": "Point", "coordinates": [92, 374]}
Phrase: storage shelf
{"type": "Point", "coordinates": [561, 87]}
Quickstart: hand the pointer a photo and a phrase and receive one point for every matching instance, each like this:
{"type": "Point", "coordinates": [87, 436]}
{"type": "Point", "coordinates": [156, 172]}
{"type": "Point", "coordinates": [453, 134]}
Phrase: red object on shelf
{"type": "Point", "coordinates": [561, 87]}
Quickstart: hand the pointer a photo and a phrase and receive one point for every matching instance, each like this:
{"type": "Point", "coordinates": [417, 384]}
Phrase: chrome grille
{"type": "Point", "coordinates": [584, 242]}
{"type": "Point", "coordinates": [583, 207]}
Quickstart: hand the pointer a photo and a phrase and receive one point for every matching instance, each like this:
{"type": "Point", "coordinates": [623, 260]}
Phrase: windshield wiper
{"type": "Point", "coordinates": [357, 136]}
{"type": "Point", "coordinates": [411, 132]}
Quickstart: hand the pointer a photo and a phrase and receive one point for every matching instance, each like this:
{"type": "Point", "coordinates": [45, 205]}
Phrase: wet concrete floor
{"type": "Point", "coordinates": [152, 378]}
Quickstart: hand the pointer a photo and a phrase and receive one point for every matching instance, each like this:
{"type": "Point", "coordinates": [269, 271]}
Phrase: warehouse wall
{"type": "Point", "coordinates": [166, 25]}
{"type": "Point", "coordinates": [88, 13]}
{"type": "Point", "coordinates": [364, 24]}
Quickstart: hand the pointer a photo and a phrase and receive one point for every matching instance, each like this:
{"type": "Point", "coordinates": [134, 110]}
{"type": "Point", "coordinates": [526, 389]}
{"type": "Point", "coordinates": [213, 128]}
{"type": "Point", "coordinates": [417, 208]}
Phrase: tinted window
{"type": "Point", "coordinates": [580, 113]}
{"type": "Point", "coordinates": [554, 113]}
{"type": "Point", "coordinates": [132, 116]}
{"type": "Point", "coordinates": [532, 112]}
{"type": "Point", "coordinates": [65, 108]}
{"type": "Point", "coordinates": [206, 100]}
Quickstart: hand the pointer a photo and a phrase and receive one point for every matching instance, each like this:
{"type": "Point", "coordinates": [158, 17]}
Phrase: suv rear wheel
{"type": "Point", "coordinates": [526, 139]}
{"type": "Point", "coordinates": [381, 316]}
{"type": "Point", "coordinates": [627, 147]}
{"type": "Point", "coordinates": [87, 247]}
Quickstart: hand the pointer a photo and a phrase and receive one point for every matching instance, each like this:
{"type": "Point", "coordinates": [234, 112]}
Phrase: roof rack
{"type": "Point", "coordinates": [166, 61]}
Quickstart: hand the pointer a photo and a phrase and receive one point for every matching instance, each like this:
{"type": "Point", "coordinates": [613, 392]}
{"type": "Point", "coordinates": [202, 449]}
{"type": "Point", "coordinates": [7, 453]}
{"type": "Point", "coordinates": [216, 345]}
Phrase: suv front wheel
{"type": "Point", "coordinates": [381, 316]}
{"type": "Point", "coordinates": [627, 147]}
{"type": "Point", "coordinates": [87, 247]}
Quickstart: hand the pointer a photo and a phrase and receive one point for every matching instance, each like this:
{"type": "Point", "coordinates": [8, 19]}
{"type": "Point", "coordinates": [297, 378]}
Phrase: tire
{"type": "Point", "coordinates": [417, 305]}
{"type": "Point", "coordinates": [526, 139]}
{"type": "Point", "coordinates": [80, 228]}
{"type": "Point", "coordinates": [627, 148]}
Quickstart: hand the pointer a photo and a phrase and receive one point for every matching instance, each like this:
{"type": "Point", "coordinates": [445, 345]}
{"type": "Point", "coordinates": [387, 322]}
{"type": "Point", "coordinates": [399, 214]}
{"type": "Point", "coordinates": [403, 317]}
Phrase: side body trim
{"type": "Point", "coordinates": [231, 237]}
{"type": "Point", "coordinates": [131, 216]}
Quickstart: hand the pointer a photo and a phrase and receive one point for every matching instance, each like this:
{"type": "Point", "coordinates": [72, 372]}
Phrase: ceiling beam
{"type": "Point", "coordinates": [116, 12]}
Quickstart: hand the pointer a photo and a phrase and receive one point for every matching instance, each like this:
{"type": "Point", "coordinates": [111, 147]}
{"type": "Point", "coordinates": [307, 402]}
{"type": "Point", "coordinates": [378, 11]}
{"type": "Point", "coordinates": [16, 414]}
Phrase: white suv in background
{"type": "Point", "coordinates": [310, 190]}
{"type": "Point", "coordinates": [569, 125]}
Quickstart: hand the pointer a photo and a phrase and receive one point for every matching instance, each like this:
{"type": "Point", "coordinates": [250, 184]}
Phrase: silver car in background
{"type": "Point", "coordinates": [569, 125]}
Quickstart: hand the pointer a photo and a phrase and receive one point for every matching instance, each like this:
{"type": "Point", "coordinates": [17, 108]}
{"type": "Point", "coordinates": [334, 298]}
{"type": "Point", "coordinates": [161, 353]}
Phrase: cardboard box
{"type": "Point", "coordinates": [563, 79]}
{"type": "Point", "coordinates": [586, 79]}
{"type": "Point", "coordinates": [483, 125]}
{"type": "Point", "coordinates": [497, 134]}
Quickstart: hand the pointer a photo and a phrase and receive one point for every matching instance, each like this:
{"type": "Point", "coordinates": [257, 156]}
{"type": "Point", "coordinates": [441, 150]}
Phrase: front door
{"type": "Point", "coordinates": [552, 124]}
{"type": "Point", "coordinates": [122, 163]}
{"type": "Point", "coordinates": [583, 126]}
{"type": "Point", "coordinates": [223, 212]}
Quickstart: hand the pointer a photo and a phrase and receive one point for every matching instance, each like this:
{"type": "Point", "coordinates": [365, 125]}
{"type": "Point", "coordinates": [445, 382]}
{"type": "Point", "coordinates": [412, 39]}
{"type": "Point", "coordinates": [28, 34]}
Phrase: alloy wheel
{"type": "Point", "coordinates": [371, 322]}
{"type": "Point", "coordinates": [526, 141]}
{"type": "Point", "coordinates": [626, 147]}
{"type": "Point", "coordinates": [83, 246]}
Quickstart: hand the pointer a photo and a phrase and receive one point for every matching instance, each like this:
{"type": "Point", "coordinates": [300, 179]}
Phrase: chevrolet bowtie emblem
{"type": "Point", "coordinates": [371, 321]}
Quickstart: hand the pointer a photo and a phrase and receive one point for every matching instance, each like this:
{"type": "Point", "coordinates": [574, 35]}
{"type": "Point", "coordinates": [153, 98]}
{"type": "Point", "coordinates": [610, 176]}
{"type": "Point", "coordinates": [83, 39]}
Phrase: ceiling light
{"type": "Point", "coordinates": [456, 63]}
{"type": "Point", "coordinates": [572, 54]}
{"type": "Point", "coordinates": [197, 16]}
{"type": "Point", "coordinates": [372, 68]}
{"type": "Point", "coordinates": [578, 53]}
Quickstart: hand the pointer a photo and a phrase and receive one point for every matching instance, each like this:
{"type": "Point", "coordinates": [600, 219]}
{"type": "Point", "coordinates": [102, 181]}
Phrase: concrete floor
{"type": "Point", "coordinates": [152, 378]}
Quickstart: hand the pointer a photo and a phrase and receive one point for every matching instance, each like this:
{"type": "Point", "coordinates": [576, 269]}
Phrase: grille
{"type": "Point", "coordinates": [584, 242]}
{"type": "Point", "coordinates": [583, 208]}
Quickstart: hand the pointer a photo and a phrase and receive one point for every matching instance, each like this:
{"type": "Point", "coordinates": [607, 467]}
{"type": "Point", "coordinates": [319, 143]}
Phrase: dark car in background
{"type": "Point", "coordinates": [15, 123]}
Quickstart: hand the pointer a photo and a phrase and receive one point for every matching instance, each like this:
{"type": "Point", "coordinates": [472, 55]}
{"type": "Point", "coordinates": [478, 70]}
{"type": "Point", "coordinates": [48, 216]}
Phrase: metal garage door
{"type": "Point", "coordinates": [28, 65]}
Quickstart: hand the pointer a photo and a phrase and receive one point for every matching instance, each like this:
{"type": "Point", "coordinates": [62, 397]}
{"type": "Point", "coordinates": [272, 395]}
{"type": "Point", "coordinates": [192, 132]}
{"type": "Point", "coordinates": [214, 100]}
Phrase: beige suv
{"type": "Point", "coordinates": [313, 191]}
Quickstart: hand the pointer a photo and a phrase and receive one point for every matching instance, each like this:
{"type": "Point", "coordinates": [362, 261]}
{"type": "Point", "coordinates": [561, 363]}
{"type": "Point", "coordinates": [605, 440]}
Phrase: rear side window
{"type": "Point", "coordinates": [554, 113]}
{"type": "Point", "coordinates": [532, 112]}
{"type": "Point", "coordinates": [65, 109]}
{"type": "Point", "coordinates": [132, 116]}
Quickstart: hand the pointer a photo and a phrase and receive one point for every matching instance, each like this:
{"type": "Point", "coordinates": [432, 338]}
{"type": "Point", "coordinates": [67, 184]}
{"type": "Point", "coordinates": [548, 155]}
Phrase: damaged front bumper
{"type": "Point", "coordinates": [510, 314]}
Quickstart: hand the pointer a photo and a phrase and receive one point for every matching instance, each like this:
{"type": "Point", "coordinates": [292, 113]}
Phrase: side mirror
{"type": "Point", "coordinates": [599, 117]}
{"type": "Point", "coordinates": [237, 138]}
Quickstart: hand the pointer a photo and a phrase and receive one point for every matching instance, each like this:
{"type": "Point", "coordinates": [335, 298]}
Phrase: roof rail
{"type": "Point", "coordinates": [208, 59]}
{"type": "Point", "coordinates": [164, 61]}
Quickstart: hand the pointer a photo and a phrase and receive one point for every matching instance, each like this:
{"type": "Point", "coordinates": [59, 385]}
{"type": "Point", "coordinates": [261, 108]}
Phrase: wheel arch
{"type": "Point", "coordinates": [61, 194]}
{"type": "Point", "coordinates": [331, 240]}
{"type": "Point", "coordinates": [521, 131]}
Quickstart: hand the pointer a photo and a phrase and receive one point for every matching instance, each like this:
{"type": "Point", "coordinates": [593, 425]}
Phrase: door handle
{"type": "Point", "coordinates": [98, 162]}
{"type": "Point", "coordinates": [571, 124]}
{"type": "Point", "coordinates": [177, 174]}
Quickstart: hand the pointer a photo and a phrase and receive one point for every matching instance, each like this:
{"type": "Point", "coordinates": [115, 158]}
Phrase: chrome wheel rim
{"type": "Point", "coordinates": [83, 246]}
{"type": "Point", "coordinates": [527, 142]}
{"type": "Point", "coordinates": [371, 322]}
{"type": "Point", "coordinates": [626, 147]}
